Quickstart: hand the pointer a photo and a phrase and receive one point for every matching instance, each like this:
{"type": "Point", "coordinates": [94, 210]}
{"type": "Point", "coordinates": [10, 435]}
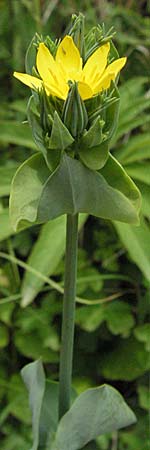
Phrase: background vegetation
{"type": "Point", "coordinates": [112, 339]}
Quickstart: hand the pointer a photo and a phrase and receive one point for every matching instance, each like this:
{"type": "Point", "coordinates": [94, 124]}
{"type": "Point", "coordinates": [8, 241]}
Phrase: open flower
{"type": "Point", "coordinates": [54, 74]}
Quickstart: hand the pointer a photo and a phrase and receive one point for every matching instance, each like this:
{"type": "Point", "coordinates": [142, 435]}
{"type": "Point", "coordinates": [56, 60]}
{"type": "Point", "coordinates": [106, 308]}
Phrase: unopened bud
{"type": "Point", "coordinates": [75, 115]}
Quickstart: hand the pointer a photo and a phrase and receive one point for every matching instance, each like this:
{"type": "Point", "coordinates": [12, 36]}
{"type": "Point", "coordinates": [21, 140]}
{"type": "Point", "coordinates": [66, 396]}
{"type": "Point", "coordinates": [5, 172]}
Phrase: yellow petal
{"type": "Point", "coordinates": [85, 90]}
{"type": "Point", "coordinates": [53, 89]}
{"type": "Point", "coordinates": [29, 80]}
{"type": "Point", "coordinates": [116, 65]}
{"type": "Point", "coordinates": [109, 74]}
{"type": "Point", "coordinates": [45, 62]}
{"type": "Point", "coordinates": [68, 56]}
{"type": "Point", "coordinates": [49, 71]}
{"type": "Point", "coordinates": [96, 63]}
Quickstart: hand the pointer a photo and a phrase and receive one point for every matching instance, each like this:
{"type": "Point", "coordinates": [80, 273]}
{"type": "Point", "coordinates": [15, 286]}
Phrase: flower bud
{"type": "Point", "coordinates": [75, 115]}
{"type": "Point", "coordinates": [77, 33]}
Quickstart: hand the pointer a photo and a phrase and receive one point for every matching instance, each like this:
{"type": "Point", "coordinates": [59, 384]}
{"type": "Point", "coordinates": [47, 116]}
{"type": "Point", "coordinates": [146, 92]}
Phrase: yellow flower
{"type": "Point", "coordinates": [68, 65]}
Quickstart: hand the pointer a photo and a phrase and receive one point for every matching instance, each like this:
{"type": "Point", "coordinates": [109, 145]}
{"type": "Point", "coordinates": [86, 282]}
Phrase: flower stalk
{"type": "Point", "coordinates": [68, 319]}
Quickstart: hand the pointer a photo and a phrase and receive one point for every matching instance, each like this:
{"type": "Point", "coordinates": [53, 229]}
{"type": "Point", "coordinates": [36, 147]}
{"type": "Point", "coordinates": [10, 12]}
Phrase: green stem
{"type": "Point", "coordinates": [66, 354]}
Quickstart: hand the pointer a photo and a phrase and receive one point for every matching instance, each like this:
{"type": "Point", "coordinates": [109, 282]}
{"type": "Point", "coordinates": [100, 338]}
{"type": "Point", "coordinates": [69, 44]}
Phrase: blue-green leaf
{"type": "Point", "coordinates": [34, 379]}
{"type": "Point", "coordinates": [39, 195]}
{"type": "Point", "coordinates": [96, 411]}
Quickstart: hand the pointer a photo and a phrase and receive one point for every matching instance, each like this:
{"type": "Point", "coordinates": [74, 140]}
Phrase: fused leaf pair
{"type": "Point", "coordinates": [95, 412]}
{"type": "Point", "coordinates": [39, 195]}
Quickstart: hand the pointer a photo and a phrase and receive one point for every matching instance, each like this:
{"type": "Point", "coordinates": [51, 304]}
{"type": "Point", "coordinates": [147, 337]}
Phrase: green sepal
{"type": "Point", "coordinates": [52, 158]}
{"type": "Point", "coordinates": [60, 137]}
{"type": "Point", "coordinates": [110, 114]}
{"type": "Point", "coordinates": [92, 151]}
{"type": "Point", "coordinates": [38, 195]}
{"type": "Point", "coordinates": [74, 112]}
{"type": "Point", "coordinates": [77, 33]}
{"type": "Point", "coordinates": [94, 135]}
{"type": "Point", "coordinates": [30, 59]}
{"type": "Point", "coordinates": [34, 122]}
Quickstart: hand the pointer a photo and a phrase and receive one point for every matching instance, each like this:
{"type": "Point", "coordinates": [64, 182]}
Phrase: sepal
{"type": "Point", "coordinates": [60, 137]}
{"type": "Point", "coordinates": [74, 113]}
{"type": "Point", "coordinates": [77, 33]}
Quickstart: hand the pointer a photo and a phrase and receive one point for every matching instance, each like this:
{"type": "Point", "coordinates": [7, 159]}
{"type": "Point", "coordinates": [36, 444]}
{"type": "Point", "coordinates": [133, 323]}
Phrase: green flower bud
{"type": "Point", "coordinates": [77, 33]}
{"type": "Point", "coordinates": [75, 115]}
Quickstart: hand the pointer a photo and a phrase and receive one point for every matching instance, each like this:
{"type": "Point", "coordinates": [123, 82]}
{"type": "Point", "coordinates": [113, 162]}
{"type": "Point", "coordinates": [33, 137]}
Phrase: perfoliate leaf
{"type": "Point", "coordinates": [37, 197]}
{"type": "Point", "coordinates": [26, 190]}
{"type": "Point", "coordinates": [118, 179]}
{"type": "Point", "coordinates": [92, 151]}
{"type": "Point", "coordinates": [96, 411]}
{"type": "Point", "coordinates": [95, 158]}
{"type": "Point", "coordinates": [34, 379]}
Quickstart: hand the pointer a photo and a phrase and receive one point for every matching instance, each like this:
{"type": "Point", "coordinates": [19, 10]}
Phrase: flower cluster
{"type": "Point", "coordinates": [55, 73]}
{"type": "Point", "coordinates": [74, 106]}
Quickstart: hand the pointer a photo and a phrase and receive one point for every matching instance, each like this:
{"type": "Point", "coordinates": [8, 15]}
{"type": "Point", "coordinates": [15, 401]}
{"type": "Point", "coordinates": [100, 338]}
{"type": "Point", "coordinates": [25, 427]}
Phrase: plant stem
{"type": "Point", "coordinates": [68, 319]}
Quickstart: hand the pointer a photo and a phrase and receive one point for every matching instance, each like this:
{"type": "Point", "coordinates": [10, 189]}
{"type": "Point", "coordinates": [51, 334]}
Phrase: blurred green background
{"type": "Point", "coordinates": [112, 338]}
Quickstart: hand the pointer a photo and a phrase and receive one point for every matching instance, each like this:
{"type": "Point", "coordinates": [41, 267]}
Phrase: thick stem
{"type": "Point", "coordinates": [66, 354]}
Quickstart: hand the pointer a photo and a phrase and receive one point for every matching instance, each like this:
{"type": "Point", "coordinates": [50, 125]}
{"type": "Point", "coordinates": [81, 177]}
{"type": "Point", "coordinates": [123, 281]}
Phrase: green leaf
{"type": "Point", "coordinates": [119, 317]}
{"type": "Point", "coordinates": [45, 256]}
{"type": "Point", "coordinates": [90, 318]}
{"type": "Point", "coordinates": [32, 346]}
{"type": "Point", "coordinates": [6, 229]}
{"type": "Point", "coordinates": [136, 149]}
{"type": "Point", "coordinates": [6, 175]}
{"type": "Point", "coordinates": [145, 192]}
{"type": "Point", "coordinates": [74, 188]}
{"type": "Point", "coordinates": [4, 336]}
{"type": "Point", "coordinates": [43, 398]}
{"type": "Point", "coordinates": [137, 242]}
{"type": "Point", "coordinates": [25, 192]}
{"type": "Point", "coordinates": [117, 177]}
{"type": "Point", "coordinates": [128, 365]}
{"type": "Point", "coordinates": [140, 171]}
{"type": "Point", "coordinates": [144, 397]}
{"type": "Point", "coordinates": [49, 414]}
{"type": "Point", "coordinates": [92, 151]}
{"type": "Point", "coordinates": [34, 379]}
{"type": "Point", "coordinates": [16, 133]}
{"type": "Point", "coordinates": [142, 333]}
{"type": "Point", "coordinates": [94, 158]}
{"type": "Point", "coordinates": [37, 197]}
{"type": "Point", "coordinates": [96, 411]}
{"type": "Point", "coordinates": [60, 136]}
{"type": "Point", "coordinates": [17, 400]}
